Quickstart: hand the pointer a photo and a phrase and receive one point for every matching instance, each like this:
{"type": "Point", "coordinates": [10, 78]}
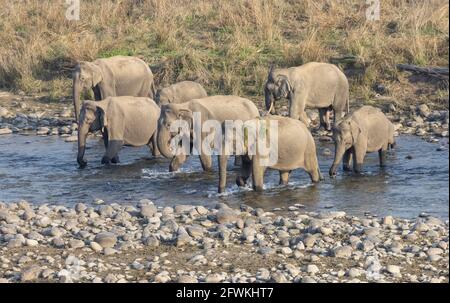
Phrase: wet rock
{"type": "Point", "coordinates": [42, 131]}
{"type": "Point", "coordinates": [71, 139]}
{"type": "Point", "coordinates": [5, 131]}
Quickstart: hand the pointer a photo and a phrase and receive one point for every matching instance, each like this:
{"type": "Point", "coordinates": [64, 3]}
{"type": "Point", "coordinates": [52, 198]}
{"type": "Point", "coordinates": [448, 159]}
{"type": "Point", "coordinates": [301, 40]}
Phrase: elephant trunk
{"type": "Point", "coordinates": [339, 153]}
{"type": "Point", "coordinates": [82, 135]}
{"type": "Point", "coordinates": [163, 141]}
{"type": "Point", "coordinates": [76, 94]}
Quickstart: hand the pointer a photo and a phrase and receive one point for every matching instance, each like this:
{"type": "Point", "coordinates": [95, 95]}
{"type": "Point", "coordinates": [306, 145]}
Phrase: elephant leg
{"type": "Point", "coordinates": [284, 177]}
{"type": "Point", "coordinates": [237, 160]}
{"type": "Point", "coordinates": [257, 174]}
{"type": "Point", "coordinates": [154, 144]}
{"type": "Point", "coordinates": [246, 169]}
{"type": "Point", "coordinates": [112, 152]}
{"type": "Point", "coordinates": [206, 162]}
{"type": "Point", "coordinates": [346, 160]}
{"type": "Point", "coordinates": [382, 155]}
{"type": "Point", "coordinates": [176, 162]}
{"type": "Point", "coordinates": [359, 152]}
{"type": "Point", "coordinates": [338, 115]}
{"type": "Point", "coordinates": [223, 160]}
{"type": "Point", "coordinates": [323, 118]}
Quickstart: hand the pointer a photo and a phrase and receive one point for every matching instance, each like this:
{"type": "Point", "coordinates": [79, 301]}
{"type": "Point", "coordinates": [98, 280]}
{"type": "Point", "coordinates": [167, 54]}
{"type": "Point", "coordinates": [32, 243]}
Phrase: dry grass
{"type": "Point", "coordinates": [226, 45]}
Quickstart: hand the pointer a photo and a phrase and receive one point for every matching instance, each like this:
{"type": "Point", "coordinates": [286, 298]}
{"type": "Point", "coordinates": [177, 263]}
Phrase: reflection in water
{"type": "Point", "coordinates": [44, 169]}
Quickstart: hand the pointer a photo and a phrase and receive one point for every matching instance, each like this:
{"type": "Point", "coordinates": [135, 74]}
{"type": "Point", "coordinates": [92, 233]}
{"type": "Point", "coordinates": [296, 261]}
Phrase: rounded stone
{"type": "Point", "coordinates": [106, 239]}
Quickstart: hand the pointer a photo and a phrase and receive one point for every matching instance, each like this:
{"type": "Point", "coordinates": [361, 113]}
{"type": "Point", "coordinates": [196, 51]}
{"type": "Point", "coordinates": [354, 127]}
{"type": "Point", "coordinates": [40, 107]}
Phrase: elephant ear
{"type": "Point", "coordinates": [283, 83]}
{"type": "Point", "coordinates": [107, 84]}
{"type": "Point", "coordinates": [185, 114]}
{"type": "Point", "coordinates": [102, 107]}
{"type": "Point", "coordinates": [355, 130]}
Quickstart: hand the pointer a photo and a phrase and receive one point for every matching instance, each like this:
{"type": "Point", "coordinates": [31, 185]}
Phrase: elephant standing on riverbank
{"type": "Point", "coordinates": [217, 108]}
{"type": "Point", "coordinates": [109, 77]}
{"type": "Point", "coordinates": [364, 131]}
{"type": "Point", "coordinates": [122, 120]}
{"type": "Point", "coordinates": [180, 92]}
{"type": "Point", "coordinates": [316, 85]}
{"type": "Point", "coordinates": [295, 148]}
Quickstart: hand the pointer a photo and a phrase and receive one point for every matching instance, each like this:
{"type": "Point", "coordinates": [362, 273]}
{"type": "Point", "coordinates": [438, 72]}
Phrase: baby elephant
{"type": "Point", "coordinates": [180, 92]}
{"type": "Point", "coordinates": [294, 148]}
{"type": "Point", "coordinates": [122, 120]}
{"type": "Point", "coordinates": [366, 130]}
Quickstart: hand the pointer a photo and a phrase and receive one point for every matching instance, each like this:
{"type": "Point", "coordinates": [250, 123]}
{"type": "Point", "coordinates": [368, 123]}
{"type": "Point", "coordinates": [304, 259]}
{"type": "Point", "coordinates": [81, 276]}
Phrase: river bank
{"type": "Point", "coordinates": [145, 243]}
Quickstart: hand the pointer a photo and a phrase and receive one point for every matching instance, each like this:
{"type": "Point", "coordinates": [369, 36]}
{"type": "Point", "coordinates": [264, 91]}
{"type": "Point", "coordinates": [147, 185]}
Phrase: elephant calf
{"type": "Point", "coordinates": [295, 149]}
{"type": "Point", "coordinates": [364, 131]}
{"type": "Point", "coordinates": [122, 120]}
{"type": "Point", "coordinates": [180, 92]}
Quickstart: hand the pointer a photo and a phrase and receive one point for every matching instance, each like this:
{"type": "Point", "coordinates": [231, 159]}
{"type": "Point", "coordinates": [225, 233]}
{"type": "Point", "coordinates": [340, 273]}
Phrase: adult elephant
{"type": "Point", "coordinates": [315, 85]}
{"type": "Point", "coordinates": [122, 120]}
{"type": "Point", "coordinates": [285, 148]}
{"type": "Point", "coordinates": [213, 108]}
{"type": "Point", "coordinates": [109, 77]}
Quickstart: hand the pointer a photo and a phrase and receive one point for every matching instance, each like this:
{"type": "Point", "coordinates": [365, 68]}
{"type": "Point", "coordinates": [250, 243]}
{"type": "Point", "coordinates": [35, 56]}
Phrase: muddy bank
{"type": "Point", "coordinates": [145, 243]}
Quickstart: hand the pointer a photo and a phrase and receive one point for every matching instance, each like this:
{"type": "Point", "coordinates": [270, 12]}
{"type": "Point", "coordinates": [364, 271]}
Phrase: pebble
{"type": "Point", "coordinates": [225, 216]}
{"type": "Point", "coordinates": [106, 239]}
{"type": "Point", "coordinates": [186, 245]}
{"type": "Point", "coordinates": [343, 252]}
{"type": "Point", "coordinates": [30, 274]}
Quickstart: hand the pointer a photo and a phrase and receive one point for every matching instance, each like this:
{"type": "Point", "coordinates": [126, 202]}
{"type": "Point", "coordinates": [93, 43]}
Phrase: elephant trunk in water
{"type": "Point", "coordinates": [76, 94]}
{"type": "Point", "coordinates": [339, 153]}
{"type": "Point", "coordinates": [164, 141]}
{"type": "Point", "coordinates": [82, 135]}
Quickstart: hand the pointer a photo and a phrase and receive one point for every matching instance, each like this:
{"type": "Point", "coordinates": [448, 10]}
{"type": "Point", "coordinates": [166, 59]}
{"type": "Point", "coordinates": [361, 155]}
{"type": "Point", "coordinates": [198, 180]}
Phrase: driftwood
{"type": "Point", "coordinates": [440, 73]}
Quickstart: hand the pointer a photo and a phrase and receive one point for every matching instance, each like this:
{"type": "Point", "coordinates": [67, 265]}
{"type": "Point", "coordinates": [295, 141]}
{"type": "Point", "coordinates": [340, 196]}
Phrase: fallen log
{"type": "Point", "coordinates": [440, 73]}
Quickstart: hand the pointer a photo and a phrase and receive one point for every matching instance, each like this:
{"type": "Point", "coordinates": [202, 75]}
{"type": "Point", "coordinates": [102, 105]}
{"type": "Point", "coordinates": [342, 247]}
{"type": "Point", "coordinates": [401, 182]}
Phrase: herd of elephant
{"type": "Point", "coordinates": [128, 109]}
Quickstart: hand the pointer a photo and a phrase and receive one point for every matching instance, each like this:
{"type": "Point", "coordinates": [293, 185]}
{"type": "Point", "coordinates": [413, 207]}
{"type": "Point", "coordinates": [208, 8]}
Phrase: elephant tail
{"type": "Point", "coordinates": [153, 90]}
{"type": "Point", "coordinates": [348, 105]}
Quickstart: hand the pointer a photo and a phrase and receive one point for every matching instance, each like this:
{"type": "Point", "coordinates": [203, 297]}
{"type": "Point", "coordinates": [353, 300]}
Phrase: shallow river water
{"type": "Point", "coordinates": [44, 170]}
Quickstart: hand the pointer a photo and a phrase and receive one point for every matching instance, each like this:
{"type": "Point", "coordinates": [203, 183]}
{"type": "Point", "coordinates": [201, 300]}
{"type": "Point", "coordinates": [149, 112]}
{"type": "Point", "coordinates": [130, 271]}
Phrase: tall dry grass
{"type": "Point", "coordinates": [226, 45]}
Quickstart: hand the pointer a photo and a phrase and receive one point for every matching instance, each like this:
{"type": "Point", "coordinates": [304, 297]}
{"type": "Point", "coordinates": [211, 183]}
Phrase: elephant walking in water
{"type": "Point", "coordinates": [213, 108]}
{"type": "Point", "coordinates": [110, 77]}
{"type": "Point", "coordinates": [364, 131]}
{"type": "Point", "coordinates": [295, 149]}
{"type": "Point", "coordinates": [122, 120]}
{"type": "Point", "coordinates": [316, 85]}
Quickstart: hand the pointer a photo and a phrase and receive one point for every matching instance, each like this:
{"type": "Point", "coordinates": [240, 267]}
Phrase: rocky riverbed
{"type": "Point", "coordinates": [145, 243]}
